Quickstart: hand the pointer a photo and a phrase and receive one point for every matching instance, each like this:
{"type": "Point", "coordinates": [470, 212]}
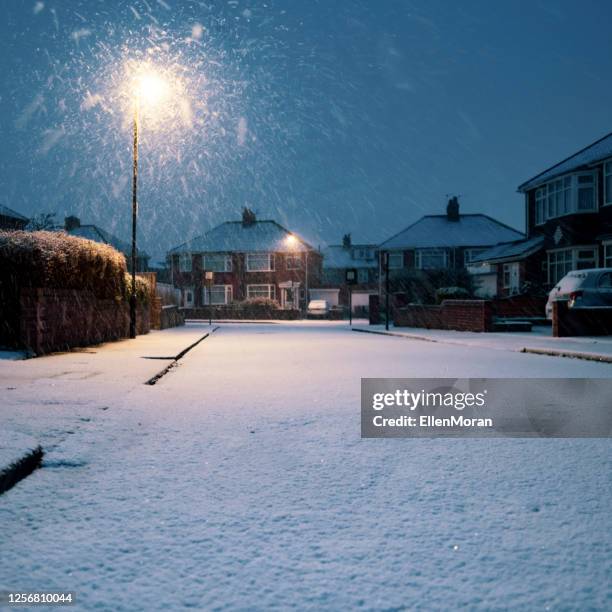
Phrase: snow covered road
{"type": "Point", "coordinates": [239, 481]}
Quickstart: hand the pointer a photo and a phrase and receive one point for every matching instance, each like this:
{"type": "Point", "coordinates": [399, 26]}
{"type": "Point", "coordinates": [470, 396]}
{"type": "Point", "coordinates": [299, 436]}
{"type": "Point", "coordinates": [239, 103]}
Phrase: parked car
{"type": "Point", "coordinates": [318, 308]}
{"type": "Point", "coordinates": [583, 289]}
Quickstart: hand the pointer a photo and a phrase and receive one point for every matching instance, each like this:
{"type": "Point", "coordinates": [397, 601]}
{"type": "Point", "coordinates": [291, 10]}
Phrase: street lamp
{"type": "Point", "coordinates": [292, 241]}
{"type": "Point", "coordinates": [149, 88]}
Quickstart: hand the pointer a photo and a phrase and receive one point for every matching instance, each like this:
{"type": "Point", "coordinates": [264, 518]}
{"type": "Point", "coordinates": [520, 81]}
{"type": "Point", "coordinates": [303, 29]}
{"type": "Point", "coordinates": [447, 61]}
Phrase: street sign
{"type": "Point", "coordinates": [209, 275]}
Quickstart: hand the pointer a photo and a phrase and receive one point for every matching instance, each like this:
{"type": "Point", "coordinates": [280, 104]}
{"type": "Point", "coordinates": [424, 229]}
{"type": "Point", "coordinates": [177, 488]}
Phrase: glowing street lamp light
{"type": "Point", "coordinates": [151, 89]}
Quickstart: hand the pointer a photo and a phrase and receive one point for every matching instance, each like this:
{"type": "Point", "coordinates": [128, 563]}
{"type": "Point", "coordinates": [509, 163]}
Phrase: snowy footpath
{"type": "Point", "coordinates": [239, 481]}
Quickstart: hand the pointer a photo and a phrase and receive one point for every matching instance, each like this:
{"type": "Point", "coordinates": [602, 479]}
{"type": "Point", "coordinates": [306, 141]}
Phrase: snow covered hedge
{"type": "Point", "coordinates": [57, 260]}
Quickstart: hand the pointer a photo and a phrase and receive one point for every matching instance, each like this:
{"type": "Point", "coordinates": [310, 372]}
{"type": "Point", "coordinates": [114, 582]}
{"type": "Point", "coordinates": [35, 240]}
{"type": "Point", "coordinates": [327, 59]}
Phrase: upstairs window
{"type": "Point", "coordinates": [185, 263]}
{"type": "Point", "coordinates": [470, 254]}
{"type": "Point", "coordinates": [218, 263]}
{"type": "Point", "coordinates": [362, 276]}
{"type": "Point", "coordinates": [565, 196]}
{"type": "Point", "coordinates": [608, 182]}
{"type": "Point", "coordinates": [431, 259]}
{"type": "Point", "coordinates": [396, 261]}
{"type": "Point", "coordinates": [260, 262]}
{"type": "Point", "coordinates": [293, 262]}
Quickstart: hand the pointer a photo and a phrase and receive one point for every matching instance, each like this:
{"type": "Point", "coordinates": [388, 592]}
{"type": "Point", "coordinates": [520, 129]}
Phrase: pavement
{"type": "Point", "coordinates": [240, 481]}
{"type": "Point", "coordinates": [538, 341]}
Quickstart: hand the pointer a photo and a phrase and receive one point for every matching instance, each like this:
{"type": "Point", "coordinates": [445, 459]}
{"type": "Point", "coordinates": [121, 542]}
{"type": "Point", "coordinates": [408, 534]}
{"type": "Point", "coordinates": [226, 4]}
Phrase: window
{"type": "Point", "coordinates": [294, 262]}
{"type": "Point", "coordinates": [188, 296]}
{"type": "Point", "coordinates": [219, 294]}
{"type": "Point", "coordinates": [562, 261]}
{"type": "Point", "coordinates": [261, 291]}
{"type": "Point", "coordinates": [431, 259]}
{"type": "Point", "coordinates": [511, 276]}
{"type": "Point", "coordinates": [586, 191]}
{"type": "Point", "coordinates": [469, 254]}
{"type": "Point", "coordinates": [260, 262]}
{"type": "Point", "coordinates": [362, 275]}
{"type": "Point", "coordinates": [608, 182]}
{"type": "Point", "coordinates": [185, 262]}
{"type": "Point", "coordinates": [217, 263]}
{"type": "Point", "coordinates": [607, 254]}
{"type": "Point", "coordinates": [564, 196]}
{"type": "Point", "coordinates": [396, 260]}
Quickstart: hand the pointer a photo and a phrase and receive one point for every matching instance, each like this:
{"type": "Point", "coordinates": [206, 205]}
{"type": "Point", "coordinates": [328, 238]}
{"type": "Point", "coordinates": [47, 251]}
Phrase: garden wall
{"type": "Point", "coordinates": [519, 306]}
{"type": "Point", "coordinates": [568, 322]}
{"type": "Point", "coordinates": [461, 315]}
{"type": "Point", "coordinates": [59, 319]}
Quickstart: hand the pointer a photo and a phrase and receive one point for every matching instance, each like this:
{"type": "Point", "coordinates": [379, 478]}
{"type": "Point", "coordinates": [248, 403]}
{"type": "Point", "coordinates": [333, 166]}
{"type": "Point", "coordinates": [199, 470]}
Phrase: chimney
{"type": "Point", "coordinates": [346, 241]}
{"type": "Point", "coordinates": [248, 217]}
{"type": "Point", "coordinates": [452, 209]}
{"type": "Point", "coordinates": [71, 223]}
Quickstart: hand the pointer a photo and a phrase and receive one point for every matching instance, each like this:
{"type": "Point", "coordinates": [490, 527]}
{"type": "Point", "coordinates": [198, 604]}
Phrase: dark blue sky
{"type": "Point", "coordinates": [331, 117]}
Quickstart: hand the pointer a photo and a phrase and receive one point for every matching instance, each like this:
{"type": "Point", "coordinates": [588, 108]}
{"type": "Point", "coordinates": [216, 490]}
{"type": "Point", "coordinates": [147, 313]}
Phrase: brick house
{"type": "Point", "coordinates": [249, 259]}
{"type": "Point", "coordinates": [440, 248]}
{"type": "Point", "coordinates": [337, 259]}
{"type": "Point", "coordinates": [11, 220]}
{"type": "Point", "coordinates": [568, 212]}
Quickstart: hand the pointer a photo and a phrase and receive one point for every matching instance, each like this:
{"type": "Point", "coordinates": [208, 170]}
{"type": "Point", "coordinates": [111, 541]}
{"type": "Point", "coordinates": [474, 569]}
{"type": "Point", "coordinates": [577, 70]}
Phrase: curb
{"type": "Point", "coordinates": [153, 380]}
{"type": "Point", "coordinates": [568, 354]}
{"type": "Point", "coordinates": [20, 469]}
{"type": "Point", "coordinates": [535, 351]}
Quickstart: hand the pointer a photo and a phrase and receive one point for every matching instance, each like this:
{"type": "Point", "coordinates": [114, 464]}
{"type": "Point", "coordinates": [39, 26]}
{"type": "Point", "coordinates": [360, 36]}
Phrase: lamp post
{"type": "Point", "coordinates": [150, 87]}
{"type": "Point", "coordinates": [134, 217]}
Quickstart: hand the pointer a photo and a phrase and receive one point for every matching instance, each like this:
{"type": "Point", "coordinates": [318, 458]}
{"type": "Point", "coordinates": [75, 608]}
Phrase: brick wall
{"type": "Point", "coordinates": [461, 315]}
{"type": "Point", "coordinates": [568, 322]}
{"type": "Point", "coordinates": [58, 319]}
{"type": "Point", "coordinates": [519, 306]}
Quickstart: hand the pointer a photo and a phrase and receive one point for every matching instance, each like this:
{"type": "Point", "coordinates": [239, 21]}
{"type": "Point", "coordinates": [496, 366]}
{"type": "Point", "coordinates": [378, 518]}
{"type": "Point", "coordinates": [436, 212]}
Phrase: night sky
{"type": "Point", "coordinates": [330, 116]}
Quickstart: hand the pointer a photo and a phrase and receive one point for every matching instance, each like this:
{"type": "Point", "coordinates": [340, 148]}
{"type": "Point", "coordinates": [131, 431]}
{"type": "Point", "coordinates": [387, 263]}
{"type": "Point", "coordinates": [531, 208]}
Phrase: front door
{"type": "Point", "coordinates": [289, 297]}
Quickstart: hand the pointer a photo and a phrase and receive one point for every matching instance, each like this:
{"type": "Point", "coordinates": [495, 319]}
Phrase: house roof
{"type": "Point", "coordinates": [593, 153]}
{"type": "Point", "coordinates": [5, 211]}
{"type": "Point", "coordinates": [337, 256]}
{"type": "Point", "coordinates": [471, 230]}
{"type": "Point", "coordinates": [234, 236]}
{"type": "Point", "coordinates": [97, 234]}
{"type": "Point", "coordinates": [510, 251]}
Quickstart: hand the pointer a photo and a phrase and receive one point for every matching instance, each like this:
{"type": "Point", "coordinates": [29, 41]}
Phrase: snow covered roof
{"type": "Point", "coordinates": [518, 249]}
{"type": "Point", "coordinates": [235, 236]}
{"type": "Point", "coordinates": [337, 256]}
{"type": "Point", "coordinates": [5, 211]}
{"type": "Point", "coordinates": [97, 234]}
{"type": "Point", "coordinates": [595, 152]}
{"type": "Point", "coordinates": [471, 230]}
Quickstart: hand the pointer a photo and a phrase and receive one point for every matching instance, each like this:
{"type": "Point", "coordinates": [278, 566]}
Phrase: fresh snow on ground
{"type": "Point", "coordinates": [240, 481]}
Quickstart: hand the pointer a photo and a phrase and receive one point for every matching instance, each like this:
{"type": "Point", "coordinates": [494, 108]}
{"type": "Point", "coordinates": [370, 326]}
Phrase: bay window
{"type": "Point", "coordinates": [261, 291]}
{"type": "Point", "coordinates": [562, 261]}
{"type": "Point", "coordinates": [431, 259]}
{"type": "Point", "coordinates": [260, 262]}
{"type": "Point", "coordinates": [219, 294]}
{"type": "Point", "coordinates": [565, 196]}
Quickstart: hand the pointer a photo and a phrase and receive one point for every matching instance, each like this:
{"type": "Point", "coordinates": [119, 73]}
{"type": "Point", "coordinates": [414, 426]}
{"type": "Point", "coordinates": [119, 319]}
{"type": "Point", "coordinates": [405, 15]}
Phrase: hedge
{"type": "Point", "coordinates": [57, 260]}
